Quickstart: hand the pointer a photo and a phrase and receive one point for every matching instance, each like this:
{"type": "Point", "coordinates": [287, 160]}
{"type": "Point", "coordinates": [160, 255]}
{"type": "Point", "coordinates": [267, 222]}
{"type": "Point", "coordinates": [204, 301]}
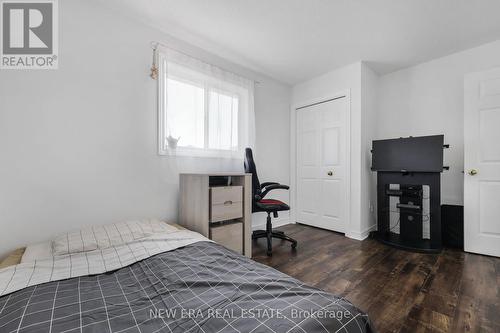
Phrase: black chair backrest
{"type": "Point", "coordinates": [251, 168]}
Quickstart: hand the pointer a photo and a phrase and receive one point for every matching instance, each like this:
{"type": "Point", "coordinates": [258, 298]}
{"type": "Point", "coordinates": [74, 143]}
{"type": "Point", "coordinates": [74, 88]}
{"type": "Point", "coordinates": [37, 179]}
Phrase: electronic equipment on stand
{"type": "Point", "coordinates": [409, 188]}
{"type": "Point", "coordinates": [411, 211]}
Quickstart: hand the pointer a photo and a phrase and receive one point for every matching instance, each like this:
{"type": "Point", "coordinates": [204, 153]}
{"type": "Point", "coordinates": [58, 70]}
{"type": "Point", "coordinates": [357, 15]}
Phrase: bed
{"type": "Point", "coordinates": [174, 282]}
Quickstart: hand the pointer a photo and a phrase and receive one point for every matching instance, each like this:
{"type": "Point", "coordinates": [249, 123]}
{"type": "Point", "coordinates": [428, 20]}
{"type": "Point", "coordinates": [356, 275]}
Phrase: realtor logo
{"type": "Point", "coordinates": [29, 34]}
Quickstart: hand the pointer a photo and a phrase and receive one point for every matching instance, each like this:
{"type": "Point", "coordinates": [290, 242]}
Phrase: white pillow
{"type": "Point", "coordinates": [39, 251]}
{"type": "Point", "coordinates": [104, 236]}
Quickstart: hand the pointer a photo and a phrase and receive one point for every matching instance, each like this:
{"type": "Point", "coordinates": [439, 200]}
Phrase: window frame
{"type": "Point", "coordinates": [208, 84]}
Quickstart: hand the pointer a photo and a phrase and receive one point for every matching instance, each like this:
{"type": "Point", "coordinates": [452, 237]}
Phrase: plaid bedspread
{"type": "Point", "coordinates": [202, 287]}
{"type": "Point", "coordinates": [61, 267]}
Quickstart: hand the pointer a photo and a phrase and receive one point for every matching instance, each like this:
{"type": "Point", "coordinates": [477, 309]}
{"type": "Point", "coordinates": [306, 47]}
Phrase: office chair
{"type": "Point", "coordinates": [259, 204]}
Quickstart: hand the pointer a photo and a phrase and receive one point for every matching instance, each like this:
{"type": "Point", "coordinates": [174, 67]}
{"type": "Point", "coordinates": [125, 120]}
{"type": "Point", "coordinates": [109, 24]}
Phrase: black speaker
{"type": "Point", "coordinates": [452, 224]}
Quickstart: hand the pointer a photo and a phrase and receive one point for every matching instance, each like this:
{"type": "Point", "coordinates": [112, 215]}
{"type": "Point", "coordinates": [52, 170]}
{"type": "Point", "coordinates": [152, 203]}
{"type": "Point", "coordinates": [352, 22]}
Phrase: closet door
{"type": "Point", "coordinates": [322, 162]}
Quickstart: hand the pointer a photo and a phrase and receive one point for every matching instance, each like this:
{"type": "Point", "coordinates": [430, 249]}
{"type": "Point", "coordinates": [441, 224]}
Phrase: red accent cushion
{"type": "Point", "coordinates": [271, 202]}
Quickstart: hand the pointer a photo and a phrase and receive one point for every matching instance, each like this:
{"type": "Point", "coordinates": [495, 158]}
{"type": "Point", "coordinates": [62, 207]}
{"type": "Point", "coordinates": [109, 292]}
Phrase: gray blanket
{"type": "Point", "coordinates": [202, 287]}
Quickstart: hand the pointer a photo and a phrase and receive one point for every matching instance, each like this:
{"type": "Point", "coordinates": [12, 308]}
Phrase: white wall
{"type": "Point", "coordinates": [78, 144]}
{"type": "Point", "coordinates": [272, 149]}
{"type": "Point", "coordinates": [348, 77]}
{"type": "Point", "coordinates": [421, 100]}
{"type": "Point", "coordinates": [369, 102]}
{"type": "Point", "coordinates": [428, 99]}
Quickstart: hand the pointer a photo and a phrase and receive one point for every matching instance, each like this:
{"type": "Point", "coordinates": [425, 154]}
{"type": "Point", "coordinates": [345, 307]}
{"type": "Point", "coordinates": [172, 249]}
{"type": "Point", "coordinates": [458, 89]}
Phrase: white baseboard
{"type": "Point", "coordinates": [276, 223]}
{"type": "Point", "coordinates": [360, 235]}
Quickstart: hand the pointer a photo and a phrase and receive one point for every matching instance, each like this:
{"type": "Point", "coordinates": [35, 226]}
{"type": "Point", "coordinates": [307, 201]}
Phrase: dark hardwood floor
{"type": "Point", "coordinates": [401, 291]}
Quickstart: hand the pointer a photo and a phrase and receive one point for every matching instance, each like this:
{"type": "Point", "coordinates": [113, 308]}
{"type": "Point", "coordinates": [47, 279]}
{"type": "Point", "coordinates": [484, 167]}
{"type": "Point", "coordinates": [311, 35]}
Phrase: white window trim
{"type": "Point", "coordinates": [245, 135]}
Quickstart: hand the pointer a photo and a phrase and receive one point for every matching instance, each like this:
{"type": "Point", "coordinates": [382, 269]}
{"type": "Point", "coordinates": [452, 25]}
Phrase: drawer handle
{"type": "Point", "coordinates": [227, 203]}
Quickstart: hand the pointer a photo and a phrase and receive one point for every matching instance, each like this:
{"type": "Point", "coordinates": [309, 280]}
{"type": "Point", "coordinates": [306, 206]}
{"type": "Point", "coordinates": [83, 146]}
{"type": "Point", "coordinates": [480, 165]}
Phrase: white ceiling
{"type": "Point", "coordinates": [294, 40]}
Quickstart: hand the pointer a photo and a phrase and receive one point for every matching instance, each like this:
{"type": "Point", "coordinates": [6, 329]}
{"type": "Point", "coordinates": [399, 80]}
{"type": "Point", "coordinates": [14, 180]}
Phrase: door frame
{"type": "Point", "coordinates": [293, 152]}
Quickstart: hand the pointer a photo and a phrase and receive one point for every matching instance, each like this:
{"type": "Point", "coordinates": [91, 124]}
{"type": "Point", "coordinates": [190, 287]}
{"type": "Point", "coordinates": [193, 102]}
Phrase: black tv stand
{"type": "Point", "coordinates": [400, 192]}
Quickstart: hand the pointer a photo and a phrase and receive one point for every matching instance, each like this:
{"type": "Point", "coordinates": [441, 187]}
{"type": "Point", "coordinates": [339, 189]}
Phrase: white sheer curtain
{"type": "Point", "coordinates": [210, 110]}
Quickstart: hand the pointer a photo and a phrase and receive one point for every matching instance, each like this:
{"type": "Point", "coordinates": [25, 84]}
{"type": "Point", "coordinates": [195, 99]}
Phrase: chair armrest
{"type": "Point", "coordinates": [274, 186]}
{"type": "Point", "coordinates": [267, 184]}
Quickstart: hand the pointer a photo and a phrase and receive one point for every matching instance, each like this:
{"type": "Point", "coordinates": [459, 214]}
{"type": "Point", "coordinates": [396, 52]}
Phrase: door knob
{"type": "Point", "coordinates": [330, 173]}
{"type": "Point", "coordinates": [472, 172]}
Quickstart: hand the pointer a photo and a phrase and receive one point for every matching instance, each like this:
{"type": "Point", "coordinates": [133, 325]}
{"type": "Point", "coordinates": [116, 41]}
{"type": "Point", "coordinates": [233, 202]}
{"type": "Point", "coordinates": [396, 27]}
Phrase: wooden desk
{"type": "Point", "coordinates": [221, 212]}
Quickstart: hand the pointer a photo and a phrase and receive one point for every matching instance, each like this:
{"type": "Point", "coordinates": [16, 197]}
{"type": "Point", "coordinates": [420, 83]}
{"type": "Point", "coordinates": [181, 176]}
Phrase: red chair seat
{"type": "Point", "coordinates": [271, 205]}
{"type": "Point", "coordinates": [271, 202]}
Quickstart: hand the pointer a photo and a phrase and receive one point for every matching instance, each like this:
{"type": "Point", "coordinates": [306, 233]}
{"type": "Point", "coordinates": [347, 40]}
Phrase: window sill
{"type": "Point", "coordinates": [201, 153]}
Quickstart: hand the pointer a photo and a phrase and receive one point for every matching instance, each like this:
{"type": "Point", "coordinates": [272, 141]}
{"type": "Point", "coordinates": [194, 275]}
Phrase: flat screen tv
{"type": "Point", "coordinates": [413, 154]}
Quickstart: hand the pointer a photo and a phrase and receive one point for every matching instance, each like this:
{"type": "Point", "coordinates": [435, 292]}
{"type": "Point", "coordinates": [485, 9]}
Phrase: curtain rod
{"type": "Point", "coordinates": [155, 44]}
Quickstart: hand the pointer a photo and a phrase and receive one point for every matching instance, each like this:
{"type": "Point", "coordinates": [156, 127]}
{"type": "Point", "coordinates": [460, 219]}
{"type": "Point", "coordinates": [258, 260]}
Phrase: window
{"type": "Point", "coordinates": [208, 110]}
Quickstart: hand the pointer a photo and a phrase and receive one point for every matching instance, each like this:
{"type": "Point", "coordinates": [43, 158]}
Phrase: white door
{"type": "Point", "coordinates": [322, 164]}
{"type": "Point", "coordinates": [482, 163]}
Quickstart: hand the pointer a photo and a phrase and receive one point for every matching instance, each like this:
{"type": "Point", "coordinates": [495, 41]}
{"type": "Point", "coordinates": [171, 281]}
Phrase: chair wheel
{"type": "Point", "coordinates": [269, 253]}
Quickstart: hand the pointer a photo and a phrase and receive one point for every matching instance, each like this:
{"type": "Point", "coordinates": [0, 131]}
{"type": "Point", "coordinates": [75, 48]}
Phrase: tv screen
{"type": "Point", "coordinates": [413, 154]}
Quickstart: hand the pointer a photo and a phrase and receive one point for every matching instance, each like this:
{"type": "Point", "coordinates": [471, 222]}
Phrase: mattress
{"type": "Point", "coordinates": [201, 287]}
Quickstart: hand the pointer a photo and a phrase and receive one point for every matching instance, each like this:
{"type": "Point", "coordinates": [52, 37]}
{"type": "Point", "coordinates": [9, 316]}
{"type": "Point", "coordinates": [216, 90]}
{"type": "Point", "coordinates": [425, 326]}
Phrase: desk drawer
{"type": "Point", "coordinates": [229, 235]}
{"type": "Point", "coordinates": [221, 194]}
{"type": "Point", "coordinates": [226, 203]}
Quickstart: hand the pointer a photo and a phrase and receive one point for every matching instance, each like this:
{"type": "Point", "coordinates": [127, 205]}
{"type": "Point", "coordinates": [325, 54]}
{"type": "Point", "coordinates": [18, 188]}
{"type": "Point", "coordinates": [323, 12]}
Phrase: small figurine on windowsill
{"type": "Point", "coordinates": [172, 142]}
